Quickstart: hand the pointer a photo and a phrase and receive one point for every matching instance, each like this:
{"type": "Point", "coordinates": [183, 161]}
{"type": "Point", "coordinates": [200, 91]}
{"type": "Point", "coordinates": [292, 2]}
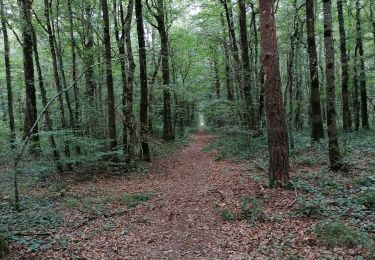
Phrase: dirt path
{"type": "Point", "coordinates": [182, 220]}
{"type": "Point", "coordinates": [186, 228]}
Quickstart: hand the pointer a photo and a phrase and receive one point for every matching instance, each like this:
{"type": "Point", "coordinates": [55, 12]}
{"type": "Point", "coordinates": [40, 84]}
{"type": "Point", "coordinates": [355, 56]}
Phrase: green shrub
{"type": "Point", "coordinates": [71, 202]}
{"type": "Point", "coordinates": [368, 199]}
{"type": "Point", "coordinates": [252, 209]}
{"type": "Point", "coordinates": [130, 200]}
{"type": "Point", "coordinates": [226, 214]}
{"type": "Point", "coordinates": [333, 234]}
{"type": "Point", "coordinates": [4, 250]}
{"type": "Point", "coordinates": [310, 208]}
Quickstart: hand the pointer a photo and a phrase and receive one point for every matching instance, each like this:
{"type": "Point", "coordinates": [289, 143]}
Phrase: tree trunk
{"type": "Point", "coordinates": [356, 103]}
{"type": "Point", "coordinates": [217, 77]}
{"type": "Point", "coordinates": [317, 131]}
{"type": "Point", "coordinates": [43, 92]}
{"type": "Point", "coordinates": [130, 128]}
{"type": "Point", "coordinates": [12, 125]}
{"type": "Point", "coordinates": [362, 73]}
{"type": "Point", "coordinates": [145, 149]}
{"type": "Point", "coordinates": [88, 56]}
{"type": "Point", "coordinates": [247, 79]}
{"type": "Point", "coordinates": [277, 131]}
{"type": "Point", "coordinates": [347, 121]}
{"type": "Point", "coordinates": [31, 113]}
{"type": "Point", "coordinates": [334, 150]}
{"type": "Point", "coordinates": [74, 72]}
{"type": "Point", "coordinates": [109, 77]}
{"type": "Point", "coordinates": [228, 79]}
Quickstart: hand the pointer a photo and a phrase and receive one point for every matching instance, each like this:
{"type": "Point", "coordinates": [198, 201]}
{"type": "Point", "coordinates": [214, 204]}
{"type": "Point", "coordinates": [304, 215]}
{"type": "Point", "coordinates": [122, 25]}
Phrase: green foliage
{"type": "Point", "coordinates": [237, 144]}
{"type": "Point", "coordinates": [333, 234]}
{"type": "Point", "coordinates": [220, 113]}
{"type": "Point", "coordinates": [71, 202]}
{"type": "Point", "coordinates": [129, 200]}
{"type": "Point", "coordinates": [227, 215]}
{"type": "Point", "coordinates": [4, 250]}
{"type": "Point", "coordinates": [252, 209]}
{"type": "Point", "coordinates": [368, 199]}
{"type": "Point", "coordinates": [312, 208]}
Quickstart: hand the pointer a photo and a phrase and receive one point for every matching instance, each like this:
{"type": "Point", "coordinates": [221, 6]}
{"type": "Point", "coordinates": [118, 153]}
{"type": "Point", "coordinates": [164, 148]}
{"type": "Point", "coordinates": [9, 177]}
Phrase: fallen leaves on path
{"type": "Point", "coordinates": [182, 220]}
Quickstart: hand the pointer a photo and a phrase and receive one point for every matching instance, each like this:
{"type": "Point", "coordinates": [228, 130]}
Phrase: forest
{"type": "Point", "coordinates": [187, 129]}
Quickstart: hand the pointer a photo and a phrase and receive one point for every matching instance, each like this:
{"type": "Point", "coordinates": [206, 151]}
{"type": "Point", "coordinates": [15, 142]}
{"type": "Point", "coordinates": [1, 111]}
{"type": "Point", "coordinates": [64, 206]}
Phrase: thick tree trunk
{"type": "Point", "coordinates": [334, 150]}
{"type": "Point", "coordinates": [277, 131]}
{"type": "Point", "coordinates": [246, 69]}
{"type": "Point", "coordinates": [88, 56]}
{"type": "Point", "coordinates": [109, 77]}
{"type": "Point", "coordinates": [347, 121]}
{"type": "Point", "coordinates": [362, 73]}
{"type": "Point", "coordinates": [317, 131]}
{"type": "Point", "coordinates": [31, 113]}
{"type": "Point", "coordinates": [12, 125]}
{"type": "Point", "coordinates": [145, 149]}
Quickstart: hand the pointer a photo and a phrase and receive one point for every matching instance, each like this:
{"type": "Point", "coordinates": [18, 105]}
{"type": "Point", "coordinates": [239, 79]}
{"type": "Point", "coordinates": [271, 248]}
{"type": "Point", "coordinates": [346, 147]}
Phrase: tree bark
{"type": "Point", "coordinates": [145, 149]}
{"type": "Point", "coordinates": [317, 131]}
{"type": "Point", "coordinates": [347, 121]}
{"type": "Point", "coordinates": [362, 73]}
{"type": "Point", "coordinates": [43, 92]}
{"type": "Point", "coordinates": [31, 113]}
{"type": "Point", "coordinates": [12, 125]}
{"type": "Point", "coordinates": [277, 131]}
{"type": "Point", "coordinates": [334, 150]}
{"type": "Point", "coordinates": [356, 103]}
{"type": "Point", "coordinates": [246, 69]}
{"type": "Point", "coordinates": [228, 79]}
{"type": "Point", "coordinates": [109, 77]}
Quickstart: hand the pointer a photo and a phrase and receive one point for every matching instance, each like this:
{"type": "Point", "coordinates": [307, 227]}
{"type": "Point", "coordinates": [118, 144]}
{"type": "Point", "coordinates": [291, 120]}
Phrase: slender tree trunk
{"type": "Point", "coordinates": [228, 79]}
{"type": "Point", "coordinates": [145, 149]}
{"type": "Point", "coordinates": [277, 131]}
{"type": "Point", "coordinates": [74, 72]}
{"type": "Point", "coordinates": [167, 110]}
{"type": "Point", "coordinates": [129, 121]}
{"type": "Point", "coordinates": [317, 131]}
{"type": "Point", "coordinates": [347, 121]}
{"type": "Point", "coordinates": [89, 54]}
{"type": "Point", "coordinates": [31, 113]}
{"type": "Point", "coordinates": [362, 73]}
{"type": "Point", "coordinates": [246, 69]}
{"type": "Point", "coordinates": [334, 150]}
{"type": "Point", "coordinates": [356, 103]}
{"type": "Point", "coordinates": [43, 92]}
{"type": "Point", "coordinates": [109, 77]}
{"type": "Point", "coordinates": [12, 125]}
{"type": "Point", "coordinates": [372, 7]}
{"type": "Point", "coordinates": [217, 77]}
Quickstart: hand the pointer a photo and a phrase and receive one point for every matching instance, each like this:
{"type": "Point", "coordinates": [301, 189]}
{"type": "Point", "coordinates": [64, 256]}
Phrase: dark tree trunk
{"type": "Point", "coordinates": [235, 52]}
{"type": "Point", "coordinates": [8, 74]}
{"type": "Point", "coordinates": [334, 150]}
{"type": "Point", "coordinates": [217, 77]}
{"type": "Point", "coordinates": [167, 110]}
{"type": "Point", "coordinates": [43, 92]}
{"type": "Point", "coordinates": [109, 77]}
{"type": "Point", "coordinates": [362, 73]}
{"type": "Point", "coordinates": [356, 103]}
{"type": "Point", "coordinates": [56, 75]}
{"type": "Point", "coordinates": [317, 131]}
{"type": "Point", "coordinates": [31, 113]}
{"type": "Point", "coordinates": [347, 121]}
{"type": "Point", "coordinates": [247, 79]}
{"type": "Point", "coordinates": [228, 78]}
{"type": "Point", "coordinates": [145, 149]}
{"type": "Point", "coordinates": [74, 72]}
{"type": "Point", "coordinates": [89, 54]}
{"type": "Point", "coordinates": [277, 131]}
{"type": "Point", "coordinates": [372, 7]}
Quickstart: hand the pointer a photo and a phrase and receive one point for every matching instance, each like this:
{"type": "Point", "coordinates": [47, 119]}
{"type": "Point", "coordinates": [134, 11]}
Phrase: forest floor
{"type": "Point", "coordinates": [189, 206]}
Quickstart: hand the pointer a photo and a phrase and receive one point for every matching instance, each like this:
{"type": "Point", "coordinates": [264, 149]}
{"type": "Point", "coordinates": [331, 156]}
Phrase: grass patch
{"type": "Point", "coordinates": [333, 234]}
{"type": "Point", "coordinates": [4, 250]}
{"type": "Point", "coordinates": [227, 215]}
{"type": "Point", "coordinates": [252, 209]}
{"type": "Point", "coordinates": [368, 199]}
